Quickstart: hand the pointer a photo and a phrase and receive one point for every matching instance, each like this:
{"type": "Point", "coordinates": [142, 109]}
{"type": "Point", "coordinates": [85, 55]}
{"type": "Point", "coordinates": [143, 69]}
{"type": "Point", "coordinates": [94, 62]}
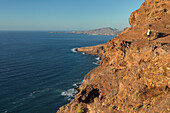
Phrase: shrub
{"type": "Point", "coordinates": [80, 110]}
{"type": "Point", "coordinates": [110, 108]}
{"type": "Point", "coordinates": [153, 70]}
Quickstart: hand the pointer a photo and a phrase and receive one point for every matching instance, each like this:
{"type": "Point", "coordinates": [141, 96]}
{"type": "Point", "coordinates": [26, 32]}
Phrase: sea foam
{"type": "Point", "coordinates": [98, 60]}
{"type": "Point", "coordinates": [96, 63]}
{"type": "Point", "coordinates": [74, 50]}
{"type": "Point", "coordinates": [69, 94]}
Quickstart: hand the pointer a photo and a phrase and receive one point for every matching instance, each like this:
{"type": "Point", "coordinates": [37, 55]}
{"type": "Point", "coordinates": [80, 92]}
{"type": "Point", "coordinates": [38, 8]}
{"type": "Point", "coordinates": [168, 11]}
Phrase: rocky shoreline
{"type": "Point", "coordinates": [134, 73]}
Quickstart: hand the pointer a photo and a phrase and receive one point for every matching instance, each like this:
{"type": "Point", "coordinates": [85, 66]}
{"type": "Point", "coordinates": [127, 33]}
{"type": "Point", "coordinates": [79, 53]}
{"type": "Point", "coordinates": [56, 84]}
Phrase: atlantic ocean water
{"type": "Point", "coordinates": [38, 70]}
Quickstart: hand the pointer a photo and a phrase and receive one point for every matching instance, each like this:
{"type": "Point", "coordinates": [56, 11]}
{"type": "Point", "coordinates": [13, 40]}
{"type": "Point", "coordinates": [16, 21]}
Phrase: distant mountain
{"type": "Point", "coordinates": [100, 31]}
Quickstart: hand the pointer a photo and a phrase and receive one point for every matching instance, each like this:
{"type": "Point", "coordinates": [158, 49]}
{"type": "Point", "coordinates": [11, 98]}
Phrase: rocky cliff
{"type": "Point", "coordinates": [134, 73]}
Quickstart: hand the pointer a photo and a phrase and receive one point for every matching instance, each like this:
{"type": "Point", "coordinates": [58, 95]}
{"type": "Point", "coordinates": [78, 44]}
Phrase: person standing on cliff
{"type": "Point", "coordinates": [149, 33]}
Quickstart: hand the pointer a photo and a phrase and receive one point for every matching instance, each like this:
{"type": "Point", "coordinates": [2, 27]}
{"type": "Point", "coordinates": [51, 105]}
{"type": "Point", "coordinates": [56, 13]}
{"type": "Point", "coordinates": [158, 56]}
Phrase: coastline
{"type": "Point", "coordinates": [134, 73]}
{"type": "Point", "coordinates": [108, 31]}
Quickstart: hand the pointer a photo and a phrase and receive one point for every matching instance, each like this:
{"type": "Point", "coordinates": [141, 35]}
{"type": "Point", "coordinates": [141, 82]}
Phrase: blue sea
{"type": "Point", "coordinates": [39, 70]}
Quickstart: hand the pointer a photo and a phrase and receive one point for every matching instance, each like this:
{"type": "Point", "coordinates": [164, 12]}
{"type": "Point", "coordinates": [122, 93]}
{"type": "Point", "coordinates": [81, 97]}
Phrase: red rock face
{"type": "Point", "coordinates": [153, 13]}
{"type": "Point", "coordinates": [134, 73]}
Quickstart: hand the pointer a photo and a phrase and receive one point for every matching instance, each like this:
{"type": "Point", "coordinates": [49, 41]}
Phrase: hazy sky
{"type": "Point", "coordinates": [65, 14]}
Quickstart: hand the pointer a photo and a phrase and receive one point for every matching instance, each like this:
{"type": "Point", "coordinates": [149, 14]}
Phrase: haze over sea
{"type": "Point", "coordinates": [38, 70]}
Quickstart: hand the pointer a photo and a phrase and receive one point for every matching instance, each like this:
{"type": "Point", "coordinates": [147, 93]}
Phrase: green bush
{"type": "Point", "coordinates": [110, 108]}
{"type": "Point", "coordinates": [153, 70]}
{"type": "Point", "coordinates": [80, 110]}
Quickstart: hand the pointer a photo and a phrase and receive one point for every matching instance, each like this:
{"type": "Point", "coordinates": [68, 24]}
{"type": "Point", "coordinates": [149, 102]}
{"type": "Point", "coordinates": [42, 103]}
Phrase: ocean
{"type": "Point", "coordinates": [39, 70]}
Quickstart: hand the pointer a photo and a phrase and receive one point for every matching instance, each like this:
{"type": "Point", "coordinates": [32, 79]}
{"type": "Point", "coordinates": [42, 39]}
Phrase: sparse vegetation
{"type": "Point", "coordinates": [153, 70]}
{"type": "Point", "coordinates": [80, 110]}
{"type": "Point", "coordinates": [110, 108]}
{"type": "Point", "coordinates": [131, 109]}
{"type": "Point", "coordinates": [148, 14]}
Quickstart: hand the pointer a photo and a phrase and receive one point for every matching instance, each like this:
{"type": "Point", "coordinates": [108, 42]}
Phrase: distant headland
{"type": "Point", "coordinates": [100, 31]}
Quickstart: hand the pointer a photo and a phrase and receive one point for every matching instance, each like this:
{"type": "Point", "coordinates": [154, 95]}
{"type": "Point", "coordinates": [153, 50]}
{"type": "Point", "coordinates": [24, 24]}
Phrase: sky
{"type": "Point", "coordinates": [65, 15]}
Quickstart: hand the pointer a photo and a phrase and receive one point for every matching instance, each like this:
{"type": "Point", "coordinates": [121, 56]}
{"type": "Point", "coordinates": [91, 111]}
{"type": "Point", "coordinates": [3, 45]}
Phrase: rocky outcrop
{"type": "Point", "coordinates": [152, 13]}
{"type": "Point", "coordinates": [134, 73]}
{"type": "Point", "coordinates": [93, 50]}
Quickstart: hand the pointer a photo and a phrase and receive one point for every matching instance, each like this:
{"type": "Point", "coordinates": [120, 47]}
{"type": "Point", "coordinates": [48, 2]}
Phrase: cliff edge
{"type": "Point", "coordinates": [134, 73]}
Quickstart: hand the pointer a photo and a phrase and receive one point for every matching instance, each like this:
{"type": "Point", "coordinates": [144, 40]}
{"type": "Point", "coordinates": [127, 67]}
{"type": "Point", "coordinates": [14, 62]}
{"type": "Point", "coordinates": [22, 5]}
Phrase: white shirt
{"type": "Point", "coordinates": [149, 32]}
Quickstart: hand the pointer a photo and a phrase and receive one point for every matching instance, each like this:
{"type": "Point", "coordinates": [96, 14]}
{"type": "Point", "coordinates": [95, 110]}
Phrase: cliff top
{"type": "Point", "coordinates": [155, 14]}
